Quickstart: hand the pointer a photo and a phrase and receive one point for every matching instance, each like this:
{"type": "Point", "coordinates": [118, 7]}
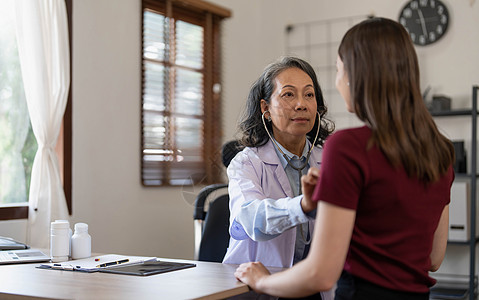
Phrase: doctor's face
{"type": "Point", "coordinates": [293, 106]}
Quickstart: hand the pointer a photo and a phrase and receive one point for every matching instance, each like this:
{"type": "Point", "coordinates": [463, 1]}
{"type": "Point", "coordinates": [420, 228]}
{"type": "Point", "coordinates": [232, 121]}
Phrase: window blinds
{"type": "Point", "coordinates": [177, 105]}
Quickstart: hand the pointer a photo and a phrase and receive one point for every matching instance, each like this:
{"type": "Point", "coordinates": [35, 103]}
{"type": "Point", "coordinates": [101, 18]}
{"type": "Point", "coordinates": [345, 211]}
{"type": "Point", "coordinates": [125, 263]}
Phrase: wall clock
{"type": "Point", "coordinates": [425, 20]}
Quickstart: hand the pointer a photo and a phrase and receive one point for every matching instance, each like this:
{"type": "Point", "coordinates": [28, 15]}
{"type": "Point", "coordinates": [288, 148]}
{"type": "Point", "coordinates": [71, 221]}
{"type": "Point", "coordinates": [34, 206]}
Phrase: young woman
{"type": "Point", "coordinates": [384, 188]}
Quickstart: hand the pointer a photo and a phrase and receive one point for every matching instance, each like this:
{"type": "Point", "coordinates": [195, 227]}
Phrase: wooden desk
{"type": "Point", "coordinates": [205, 281]}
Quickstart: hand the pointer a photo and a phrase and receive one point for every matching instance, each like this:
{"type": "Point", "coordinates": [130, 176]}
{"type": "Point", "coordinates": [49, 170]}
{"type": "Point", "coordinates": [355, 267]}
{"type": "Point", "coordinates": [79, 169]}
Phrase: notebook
{"type": "Point", "coordinates": [22, 256]}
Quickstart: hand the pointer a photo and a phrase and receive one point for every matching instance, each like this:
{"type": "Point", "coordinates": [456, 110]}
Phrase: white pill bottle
{"type": "Point", "coordinates": [81, 242]}
{"type": "Point", "coordinates": [59, 240]}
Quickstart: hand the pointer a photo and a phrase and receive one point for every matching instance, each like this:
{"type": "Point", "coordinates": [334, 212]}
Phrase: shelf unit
{"type": "Point", "coordinates": [472, 177]}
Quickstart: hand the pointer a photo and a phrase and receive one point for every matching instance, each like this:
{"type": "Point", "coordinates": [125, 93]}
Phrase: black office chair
{"type": "Point", "coordinates": [211, 215]}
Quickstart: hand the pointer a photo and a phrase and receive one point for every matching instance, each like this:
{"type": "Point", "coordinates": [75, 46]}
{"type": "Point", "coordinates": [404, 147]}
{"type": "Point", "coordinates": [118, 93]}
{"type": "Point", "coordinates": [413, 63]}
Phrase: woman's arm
{"type": "Point", "coordinates": [320, 270]}
{"type": "Point", "coordinates": [439, 243]}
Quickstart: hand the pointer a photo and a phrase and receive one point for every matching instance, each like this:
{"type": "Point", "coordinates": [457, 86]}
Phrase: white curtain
{"type": "Point", "coordinates": [42, 37]}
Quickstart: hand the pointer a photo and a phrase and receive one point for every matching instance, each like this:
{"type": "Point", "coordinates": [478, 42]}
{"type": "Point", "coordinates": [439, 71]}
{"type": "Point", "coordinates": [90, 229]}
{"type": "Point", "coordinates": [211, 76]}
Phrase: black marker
{"type": "Point", "coordinates": [113, 263]}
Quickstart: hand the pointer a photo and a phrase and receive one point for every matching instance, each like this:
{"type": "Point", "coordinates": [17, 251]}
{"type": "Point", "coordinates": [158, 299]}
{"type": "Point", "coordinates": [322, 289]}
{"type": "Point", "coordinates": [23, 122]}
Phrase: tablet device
{"type": "Point", "coordinates": [147, 268]}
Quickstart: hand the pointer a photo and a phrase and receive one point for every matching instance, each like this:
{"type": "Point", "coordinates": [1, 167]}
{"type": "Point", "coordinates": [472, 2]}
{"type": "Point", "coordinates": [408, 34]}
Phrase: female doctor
{"type": "Point", "coordinates": [281, 130]}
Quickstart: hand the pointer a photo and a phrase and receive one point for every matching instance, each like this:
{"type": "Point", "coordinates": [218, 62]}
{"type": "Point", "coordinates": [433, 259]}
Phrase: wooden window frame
{"type": "Point", "coordinates": [208, 16]}
{"type": "Point", "coordinates": [63, 147]}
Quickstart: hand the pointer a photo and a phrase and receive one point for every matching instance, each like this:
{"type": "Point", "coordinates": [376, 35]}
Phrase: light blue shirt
{"type": "Point", "coordinates": [293, 175]}
{"type": "Point", "coordinates": [302, 236]}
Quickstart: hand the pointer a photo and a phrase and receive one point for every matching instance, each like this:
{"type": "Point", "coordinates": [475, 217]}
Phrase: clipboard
{"type": "Point", "coordinates": [96, 263]}
{"type": "Point", "coordinates": [147, 268]}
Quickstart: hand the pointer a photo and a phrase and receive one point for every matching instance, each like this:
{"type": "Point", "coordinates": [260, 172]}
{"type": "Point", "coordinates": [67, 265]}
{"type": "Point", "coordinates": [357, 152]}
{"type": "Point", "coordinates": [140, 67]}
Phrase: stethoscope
{"type": "Point", "coordinates": [288, 160]}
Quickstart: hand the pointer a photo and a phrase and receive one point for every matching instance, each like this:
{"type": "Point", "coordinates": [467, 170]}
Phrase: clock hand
{"type": "Point", "coordinates": [423, 24]}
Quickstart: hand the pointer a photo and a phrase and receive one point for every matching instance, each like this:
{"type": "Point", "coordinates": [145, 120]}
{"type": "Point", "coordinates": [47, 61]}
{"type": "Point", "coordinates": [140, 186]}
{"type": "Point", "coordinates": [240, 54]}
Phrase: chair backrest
{"type": "Point", "coordinates": [215, 238]}
{"type": "Point", "coordinates": [211, 215]}
{"type": "Point", "coordinates": [229, 150]}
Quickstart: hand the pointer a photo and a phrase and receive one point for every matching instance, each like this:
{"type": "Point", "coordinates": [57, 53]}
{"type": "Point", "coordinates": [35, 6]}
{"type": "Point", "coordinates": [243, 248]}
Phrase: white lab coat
{"type": "Point", "coordinates": [257, 174]}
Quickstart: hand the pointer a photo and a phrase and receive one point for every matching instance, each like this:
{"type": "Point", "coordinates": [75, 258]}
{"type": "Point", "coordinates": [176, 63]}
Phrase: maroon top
{"type": "Point", "coordinates": [396, 216]}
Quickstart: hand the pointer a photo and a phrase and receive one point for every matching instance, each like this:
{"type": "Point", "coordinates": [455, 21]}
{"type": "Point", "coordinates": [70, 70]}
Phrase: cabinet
{"type": "Point", "coordinates": [471, 176]}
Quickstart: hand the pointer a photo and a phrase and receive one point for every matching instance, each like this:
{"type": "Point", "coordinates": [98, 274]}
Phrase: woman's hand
{"type": "Point", "coordinates": [251, 274]}
{"type": "Point", "coordinates": [308, 183]}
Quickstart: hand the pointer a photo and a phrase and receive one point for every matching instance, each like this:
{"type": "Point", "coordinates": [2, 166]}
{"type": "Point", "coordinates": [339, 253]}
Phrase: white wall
{"type": "Point", "coordinates": [125, 217]}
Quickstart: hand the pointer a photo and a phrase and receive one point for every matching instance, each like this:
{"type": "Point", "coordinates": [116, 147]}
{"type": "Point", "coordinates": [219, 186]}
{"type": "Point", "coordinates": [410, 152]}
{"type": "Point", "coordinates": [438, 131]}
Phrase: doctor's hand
{"type": "Point", "coordinates": [308, 183]}
{"type": "Point", "coordinates": [251, 274]}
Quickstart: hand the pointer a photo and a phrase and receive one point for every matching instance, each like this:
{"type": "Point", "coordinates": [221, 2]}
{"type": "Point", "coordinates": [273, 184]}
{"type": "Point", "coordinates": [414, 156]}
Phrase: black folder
{"type": "Point", "coordinates": [147, 268]}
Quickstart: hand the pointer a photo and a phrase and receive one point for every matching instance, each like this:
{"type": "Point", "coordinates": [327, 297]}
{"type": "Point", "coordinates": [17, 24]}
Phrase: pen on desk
{"type": "Point", "coordinates": [113, 263]}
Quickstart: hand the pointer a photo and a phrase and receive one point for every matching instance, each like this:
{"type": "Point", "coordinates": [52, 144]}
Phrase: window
{"type": "Point", "coordinates": [181, 132]}
{"type": "Point", "coordinates": [17, 142]}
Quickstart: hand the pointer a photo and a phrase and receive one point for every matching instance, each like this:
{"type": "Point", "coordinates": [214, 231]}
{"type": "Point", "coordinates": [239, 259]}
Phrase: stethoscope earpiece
{"type": "Point", "coordinates": [269, 117]}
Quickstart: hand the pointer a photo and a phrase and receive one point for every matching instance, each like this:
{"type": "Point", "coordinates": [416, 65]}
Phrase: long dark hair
{"type": "Point", "coordinates": [251, 128]}
{"type": "Point", "coordinates": [383, 72]}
